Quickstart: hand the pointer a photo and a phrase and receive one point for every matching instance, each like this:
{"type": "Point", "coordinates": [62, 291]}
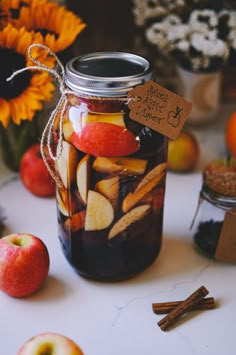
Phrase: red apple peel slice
{"type": "Point", "coordinates": [100, 213]}
{"type": "Point", "coordinates": [129, 218]}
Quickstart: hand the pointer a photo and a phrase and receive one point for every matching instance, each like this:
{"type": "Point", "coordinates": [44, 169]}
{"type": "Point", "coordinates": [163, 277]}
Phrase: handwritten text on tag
{"type": "Point", "coordinates": [158, 108]}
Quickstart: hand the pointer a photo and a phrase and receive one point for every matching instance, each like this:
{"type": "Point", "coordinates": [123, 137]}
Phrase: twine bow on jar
{"type": "Point", "coordinates": [48, 132]}
{"type": "Point", "coordinates": [47, 135]}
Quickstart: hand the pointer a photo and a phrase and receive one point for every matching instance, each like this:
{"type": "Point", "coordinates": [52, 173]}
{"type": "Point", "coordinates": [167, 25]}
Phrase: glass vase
{"type": "Point", "coordinates": [16, 139]}
{"type": "Point", "coordinates": [204, 91]}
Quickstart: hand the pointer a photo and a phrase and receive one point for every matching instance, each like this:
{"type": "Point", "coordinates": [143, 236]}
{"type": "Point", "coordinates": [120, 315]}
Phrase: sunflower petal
{"type": "Point", "coordinates": [4, 112]}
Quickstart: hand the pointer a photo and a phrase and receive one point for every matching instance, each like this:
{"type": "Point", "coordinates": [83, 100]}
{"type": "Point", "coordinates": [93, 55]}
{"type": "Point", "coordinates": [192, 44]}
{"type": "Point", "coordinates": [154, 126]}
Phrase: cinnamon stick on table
{"type": "Point", "coordinates": [182, 308]}
{"type": "Point", "coordinates": [166, 307]}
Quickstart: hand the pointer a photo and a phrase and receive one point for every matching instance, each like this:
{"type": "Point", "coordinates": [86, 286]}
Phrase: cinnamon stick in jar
{"type": "Point", "coordinates": [182, 308]}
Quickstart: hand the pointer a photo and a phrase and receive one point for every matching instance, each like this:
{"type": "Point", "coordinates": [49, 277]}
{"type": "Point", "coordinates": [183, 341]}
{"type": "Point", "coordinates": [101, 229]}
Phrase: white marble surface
{"type": "Point", "coordinates": [117, 318]}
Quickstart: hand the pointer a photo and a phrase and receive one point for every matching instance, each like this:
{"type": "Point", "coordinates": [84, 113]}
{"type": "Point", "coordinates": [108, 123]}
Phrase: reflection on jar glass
{"type": "Point", "coordinates": [113, 170]}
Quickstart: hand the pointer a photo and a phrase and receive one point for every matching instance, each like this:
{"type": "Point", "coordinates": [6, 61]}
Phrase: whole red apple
{"type": "Point", "coordinates": [34, 173]}
{"type": "Point", "coordinates": [24, 264]}
{"type": "Point", "coordinates": [50, 343]}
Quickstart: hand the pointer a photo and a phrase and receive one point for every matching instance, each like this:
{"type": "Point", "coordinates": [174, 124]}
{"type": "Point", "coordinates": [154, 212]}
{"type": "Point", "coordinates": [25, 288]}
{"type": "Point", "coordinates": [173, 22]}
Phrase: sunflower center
{"type": "Point", "coordinates": [11, 61]}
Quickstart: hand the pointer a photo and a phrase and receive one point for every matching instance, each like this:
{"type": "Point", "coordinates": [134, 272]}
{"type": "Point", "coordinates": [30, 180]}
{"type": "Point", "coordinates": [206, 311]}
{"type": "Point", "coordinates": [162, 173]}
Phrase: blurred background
{"type": "Point", "coordinates": [110, 25]}
{"type": "Point", "coordinates": [122, 26]}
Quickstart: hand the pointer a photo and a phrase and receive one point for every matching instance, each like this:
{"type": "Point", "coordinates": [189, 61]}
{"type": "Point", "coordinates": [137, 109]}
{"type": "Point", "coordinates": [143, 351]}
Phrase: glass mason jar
{"type": "Point", "coordinates": [113, 169]}
{"type": "Point", "coordinates": [217, 197]}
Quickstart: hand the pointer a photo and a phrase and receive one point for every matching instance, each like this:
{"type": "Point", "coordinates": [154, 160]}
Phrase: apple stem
{"type": "Point", "coordinates": [18, 242]}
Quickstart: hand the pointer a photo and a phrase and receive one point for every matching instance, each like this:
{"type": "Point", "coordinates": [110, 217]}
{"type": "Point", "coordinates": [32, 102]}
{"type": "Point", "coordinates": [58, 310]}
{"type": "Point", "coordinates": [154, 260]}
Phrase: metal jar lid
{"type": "Point", "coordinates": [107, 73]}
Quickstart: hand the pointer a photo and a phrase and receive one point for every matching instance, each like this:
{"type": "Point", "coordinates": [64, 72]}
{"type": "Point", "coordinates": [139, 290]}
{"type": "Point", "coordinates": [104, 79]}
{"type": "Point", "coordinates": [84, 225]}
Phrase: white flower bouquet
{"type": "Point", "coordinates": [199, 38]}
{"type": "Point", "coordinates": [203, 43]}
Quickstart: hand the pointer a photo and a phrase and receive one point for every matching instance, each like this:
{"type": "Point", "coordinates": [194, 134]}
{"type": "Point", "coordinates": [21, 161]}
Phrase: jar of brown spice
{"type": "Point", "coordinates": [214, 223]}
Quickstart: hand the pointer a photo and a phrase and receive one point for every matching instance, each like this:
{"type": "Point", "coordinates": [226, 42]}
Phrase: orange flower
{"type": "Point", "coordinates": [23, 23]}
{"type": "Point", "coordinates": [23, 96]}
{"type": "Point", "coordinates": [58, 26]}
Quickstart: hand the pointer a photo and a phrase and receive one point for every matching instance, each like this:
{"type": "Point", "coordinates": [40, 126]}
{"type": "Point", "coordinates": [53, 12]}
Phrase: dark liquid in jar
{"type": "Point", "coordinates": [111, 229]}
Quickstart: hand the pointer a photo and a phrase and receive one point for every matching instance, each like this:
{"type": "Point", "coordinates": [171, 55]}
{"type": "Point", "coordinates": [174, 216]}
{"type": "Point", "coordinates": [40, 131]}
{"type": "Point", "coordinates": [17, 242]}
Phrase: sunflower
{"type": "Point", "coordinates": [24, 95]}
{"type": "Point", "coordinates": [58, 26]}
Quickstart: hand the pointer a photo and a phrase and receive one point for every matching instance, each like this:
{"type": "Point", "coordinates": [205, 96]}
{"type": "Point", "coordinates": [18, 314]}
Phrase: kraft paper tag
{"type": "Point", "coordinates": [226, 247]}
{"type": "Point", "coordinates": [159, 109]}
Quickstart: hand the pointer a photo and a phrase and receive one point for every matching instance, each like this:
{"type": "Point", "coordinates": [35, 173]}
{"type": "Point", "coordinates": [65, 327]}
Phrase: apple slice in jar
{"type": "Point", "coordinates": [78, 117]}
{"type": "Point", "coordinates": [99, 213]}
{"type": "Point", "coordinates": [82, 177]}
{"type": "Point", "coordinates": [67, 163]}
{"type": "Point", "coordinates": [128, 219]}
{"type": "Point", "coordinates": [120, 164]}
{"type": "Point", "coordinates": [67, 126]}
{"type": "Point", "coordinates": [61, 204]}
{"type": "Point", "coordinates": [105, 139]}
{"type": "Point", "coordinates": [155, 198]}
{"type": "Point", "coordinates": [67, 203]}
{"type": "Point", "coordinates": [151, 180]}
{"type": "Point", "coordinates": [114, 118]}
{"type": "Point", "coordinates": [159, 169]}
{"type": "Point", "coordinates": [75, 222]}
{"type": "Point", "coordinates": [109, 188]}
{"type": "Point", "coordinates": [67, 129]}
{"type": "Point", "coordinates": [148, 198]}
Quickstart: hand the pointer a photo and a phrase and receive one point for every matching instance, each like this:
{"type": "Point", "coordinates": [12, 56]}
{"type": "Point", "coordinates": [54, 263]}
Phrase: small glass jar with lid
{"type": "Point", "coordinates": [215, 217]}
{"type": "Point", "coordinates": [112, 169]}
